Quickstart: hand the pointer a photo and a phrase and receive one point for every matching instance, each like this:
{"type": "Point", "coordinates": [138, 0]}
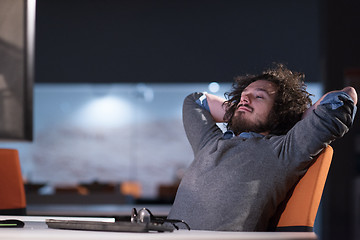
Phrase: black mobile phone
{"type": "Point", "coordinates": [11, 223]}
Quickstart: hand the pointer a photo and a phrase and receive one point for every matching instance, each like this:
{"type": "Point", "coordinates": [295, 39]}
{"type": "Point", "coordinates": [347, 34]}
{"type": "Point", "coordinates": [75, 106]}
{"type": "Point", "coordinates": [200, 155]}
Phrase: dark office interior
{"type": "Point", "coordinates": [183, 41]}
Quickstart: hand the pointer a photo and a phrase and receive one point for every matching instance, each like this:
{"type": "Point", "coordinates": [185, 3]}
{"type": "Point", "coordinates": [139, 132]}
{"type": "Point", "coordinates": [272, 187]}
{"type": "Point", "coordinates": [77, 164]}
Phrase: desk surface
{"type": "Point", "coordinates": [35, 228]}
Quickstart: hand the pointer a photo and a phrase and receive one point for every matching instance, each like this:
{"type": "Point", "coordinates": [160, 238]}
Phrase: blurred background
{"type": "Point", "coordinates": [98, 114]}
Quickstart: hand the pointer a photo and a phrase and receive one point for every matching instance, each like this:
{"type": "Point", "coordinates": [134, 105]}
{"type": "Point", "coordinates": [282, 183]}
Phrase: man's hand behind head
{"type": "Point", "coordinates": [351, 92]}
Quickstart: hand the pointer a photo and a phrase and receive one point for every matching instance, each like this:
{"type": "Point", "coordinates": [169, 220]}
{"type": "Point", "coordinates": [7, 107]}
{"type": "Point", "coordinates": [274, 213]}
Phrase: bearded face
{"type": "Point", "coordinates": [241, 124]}
{"type": "Point", "coordinates": [254, 112]}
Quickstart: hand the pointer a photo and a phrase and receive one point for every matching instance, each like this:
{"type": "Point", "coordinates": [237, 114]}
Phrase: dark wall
{"type": "Point", "coordinates": [341, 54]}
{"type": "Point", "coordinates": [173, 41]}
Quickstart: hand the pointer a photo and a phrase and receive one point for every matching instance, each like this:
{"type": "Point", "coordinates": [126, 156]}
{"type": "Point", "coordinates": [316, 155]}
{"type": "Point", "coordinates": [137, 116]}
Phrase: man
{"type": "Point", "coordinates": [238, 178]}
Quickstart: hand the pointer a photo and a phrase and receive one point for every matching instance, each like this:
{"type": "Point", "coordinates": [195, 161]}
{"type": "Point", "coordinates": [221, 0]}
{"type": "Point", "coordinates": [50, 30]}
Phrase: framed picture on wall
{"type": "Point", "coordinates": [17, 36]}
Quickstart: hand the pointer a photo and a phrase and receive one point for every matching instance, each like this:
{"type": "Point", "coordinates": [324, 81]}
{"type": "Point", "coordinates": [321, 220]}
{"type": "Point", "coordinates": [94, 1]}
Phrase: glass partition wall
{"type": "Point", "coordinates": [97, 134]}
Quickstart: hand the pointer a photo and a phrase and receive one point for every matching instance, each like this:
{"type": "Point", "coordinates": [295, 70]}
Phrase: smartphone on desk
{"type": "Point", "coordinates": [11, 223]}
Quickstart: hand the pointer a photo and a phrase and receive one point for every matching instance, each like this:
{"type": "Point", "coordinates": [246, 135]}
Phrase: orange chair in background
{"type": "Point", "coordinates": [131, 188]}
{"type": "Point", "coordinates": [12, 192]}
{"type": "Point", "coordinates": [301, 209]}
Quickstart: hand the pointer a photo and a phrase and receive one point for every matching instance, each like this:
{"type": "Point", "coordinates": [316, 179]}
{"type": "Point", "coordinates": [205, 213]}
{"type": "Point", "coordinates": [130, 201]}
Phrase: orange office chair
{"type": "Point", "coordinates": [301, 209]}
{"type": "Point", "coordinates": [12, 192]}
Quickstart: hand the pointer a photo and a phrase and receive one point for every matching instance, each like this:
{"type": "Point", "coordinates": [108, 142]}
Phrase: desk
{"type": "Point", "coordinates": [35, 228]}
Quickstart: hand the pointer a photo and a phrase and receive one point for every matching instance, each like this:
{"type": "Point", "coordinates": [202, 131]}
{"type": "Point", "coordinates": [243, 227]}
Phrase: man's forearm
{"type": "Point", "coordinates": [348, 90]}
{"type": "Point", "coordinates": [217, 108]}
{"type": "Point", "coordinates": [352, 93]}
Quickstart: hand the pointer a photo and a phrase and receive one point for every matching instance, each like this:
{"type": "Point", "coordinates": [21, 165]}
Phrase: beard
{"type": "Point", "coordinates": [239, 124]}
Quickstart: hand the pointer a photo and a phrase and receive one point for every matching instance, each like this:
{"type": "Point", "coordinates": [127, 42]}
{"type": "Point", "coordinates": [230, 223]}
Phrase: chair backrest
{"type": "Point", "coordinates": [12, 192]}
{"type": "Point", "coordinates": [301, 209]}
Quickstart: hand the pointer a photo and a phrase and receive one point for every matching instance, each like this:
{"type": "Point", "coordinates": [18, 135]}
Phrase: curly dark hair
{"type": "Point", "coordinates": [291, 99]}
